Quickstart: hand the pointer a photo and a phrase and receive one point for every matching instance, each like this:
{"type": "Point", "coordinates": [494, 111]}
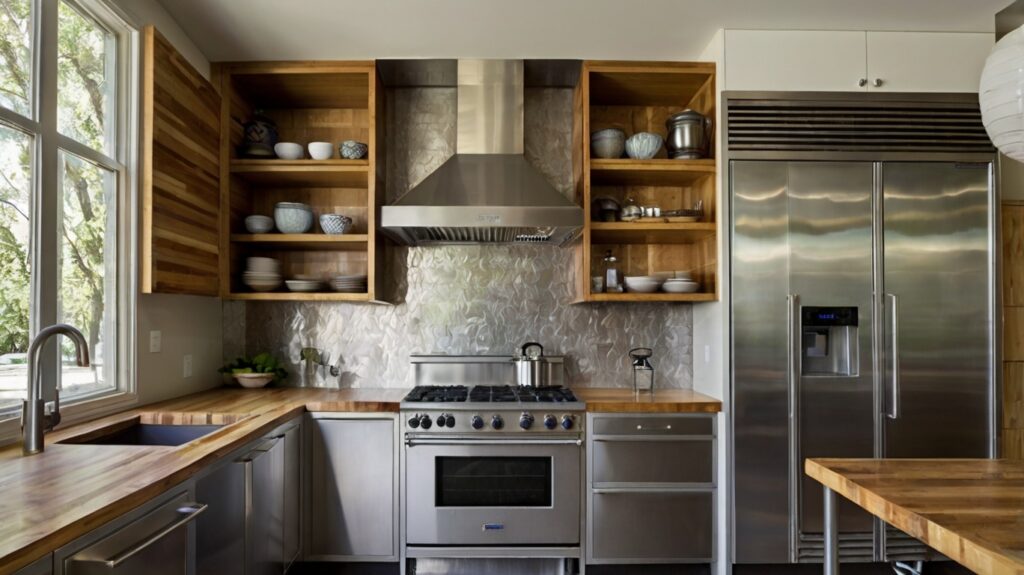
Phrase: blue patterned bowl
{"type": "Point", "coordinates": [335, 224]}
{"type": "Point", "coordinates": [643, 146]}
{"type": "Point", "coordinates": [353, 150]}
{"type": "Point", "coordinates": [293, 218]}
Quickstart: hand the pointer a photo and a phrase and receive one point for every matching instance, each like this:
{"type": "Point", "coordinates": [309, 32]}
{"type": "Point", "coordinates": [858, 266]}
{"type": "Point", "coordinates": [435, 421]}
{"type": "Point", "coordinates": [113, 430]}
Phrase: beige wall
{"type": "Point", "coordinates": [188, 325]}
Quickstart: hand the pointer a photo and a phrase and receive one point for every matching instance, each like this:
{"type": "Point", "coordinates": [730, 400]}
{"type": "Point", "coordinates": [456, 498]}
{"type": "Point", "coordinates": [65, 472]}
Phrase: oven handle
{"type": "Point", "coordinates": [412, 442]}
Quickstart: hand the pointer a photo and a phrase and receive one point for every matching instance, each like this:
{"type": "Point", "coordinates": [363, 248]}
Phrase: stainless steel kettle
{"type": "Point", "coordinates": [689, 135]}
{"type": "Point", "coordinates": [530, 366]}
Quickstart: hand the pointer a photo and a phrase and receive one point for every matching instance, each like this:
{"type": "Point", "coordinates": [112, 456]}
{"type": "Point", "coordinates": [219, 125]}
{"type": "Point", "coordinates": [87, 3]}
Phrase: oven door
{"type": "Point", "coordinates": [492, 492]}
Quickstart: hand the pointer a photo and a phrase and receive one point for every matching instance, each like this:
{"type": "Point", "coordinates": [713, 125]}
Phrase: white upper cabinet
{"type": "Point", "coordinates": [794, 60]}
{"type": "Point", "coordinates": [926, 61]}
{"type": "Point", "coordinates": [851, 61]}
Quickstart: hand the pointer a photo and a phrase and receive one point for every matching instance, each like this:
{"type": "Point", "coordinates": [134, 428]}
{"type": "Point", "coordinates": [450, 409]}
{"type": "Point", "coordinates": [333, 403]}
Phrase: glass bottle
{"type": "Point", "coordinates": [612, 275]}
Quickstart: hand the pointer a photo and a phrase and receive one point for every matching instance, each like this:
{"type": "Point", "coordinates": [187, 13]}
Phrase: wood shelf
{"type": "Point", "coordinates": [649, 233]}
{"type": "Point", "coordinates": [303, 173]}
{"type": "Point", "coordinates": [660, 172]}
{"type": "Point", "coordinates": [305, 84]}
{"type": "Point", "coordinates": [343, 242]}
{"type": "Point", "coordinates": [647, 83]}
{"type": "Point", "coordinates": [651, 297]}
{"type": "Point", "coordinates": [299, 296]}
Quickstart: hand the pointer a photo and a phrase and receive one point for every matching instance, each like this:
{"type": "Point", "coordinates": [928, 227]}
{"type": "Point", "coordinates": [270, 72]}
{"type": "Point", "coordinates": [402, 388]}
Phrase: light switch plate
{"type": "Point", "coordinates": [155, 341]}
{"type": "Point", "coordinates": [187, 369]}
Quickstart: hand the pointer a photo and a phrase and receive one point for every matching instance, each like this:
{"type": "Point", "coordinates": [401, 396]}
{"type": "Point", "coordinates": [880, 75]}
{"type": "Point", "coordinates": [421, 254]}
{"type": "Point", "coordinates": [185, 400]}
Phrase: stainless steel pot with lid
{"type": "Point", "coordinates": [531, 366]}
{"type": "Point", "coordinates": [689, 135]}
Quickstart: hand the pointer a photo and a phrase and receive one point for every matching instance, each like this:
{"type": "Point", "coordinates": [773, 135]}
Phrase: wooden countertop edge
{"type": "Point", "coordinates": [974, 555]}
{"type": "Point", "coordinates": [246, 427]}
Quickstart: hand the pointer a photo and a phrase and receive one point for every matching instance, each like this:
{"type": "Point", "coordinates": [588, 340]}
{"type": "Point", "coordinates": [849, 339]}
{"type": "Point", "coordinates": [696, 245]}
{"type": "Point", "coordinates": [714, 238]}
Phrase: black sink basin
{"type": "Point", "coordinates": [145, 434]}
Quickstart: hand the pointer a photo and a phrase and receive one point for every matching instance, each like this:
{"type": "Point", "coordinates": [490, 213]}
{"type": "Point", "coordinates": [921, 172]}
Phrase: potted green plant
{"type": "Point", "coordinates": [255, 372]}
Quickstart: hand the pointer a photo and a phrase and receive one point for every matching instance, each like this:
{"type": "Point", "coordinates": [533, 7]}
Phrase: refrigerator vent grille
{"type": "Point", "coordinates": [897, 126]}
{"type": "Point", "coordinates": [853, 547]}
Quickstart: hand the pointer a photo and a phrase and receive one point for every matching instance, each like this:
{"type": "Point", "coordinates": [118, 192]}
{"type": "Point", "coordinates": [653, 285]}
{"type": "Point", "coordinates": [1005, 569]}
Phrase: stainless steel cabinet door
{"type": "Point", "coordinates": [220, 531]}
{"type": "Point", "coordinates": [292, 493]}
{"type": "Point", "coordinates": [938, 324]}
{"type": "Point", "coordinates": [43, 566]}
{"type": "Point", "coordinates": [352, 490]}
{"type": "Point", "coordinates": [760, 285]}
{"type": "Point", "coordinates": [265, 503]}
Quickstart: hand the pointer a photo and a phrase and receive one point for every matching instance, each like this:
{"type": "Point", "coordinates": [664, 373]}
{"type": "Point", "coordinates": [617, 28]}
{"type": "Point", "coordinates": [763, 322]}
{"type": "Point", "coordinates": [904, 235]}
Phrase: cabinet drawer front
{"type": "Point", "coordinates": [672, 461]}
{"type": "Point", "coordinates": [652, 526]}
{"type": "Point", "coordinates": [673, 425]}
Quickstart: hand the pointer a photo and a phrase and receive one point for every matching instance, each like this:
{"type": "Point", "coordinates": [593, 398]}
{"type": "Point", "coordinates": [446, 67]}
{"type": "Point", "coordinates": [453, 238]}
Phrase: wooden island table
{"type": "Point", "coordinates": [971, 510]}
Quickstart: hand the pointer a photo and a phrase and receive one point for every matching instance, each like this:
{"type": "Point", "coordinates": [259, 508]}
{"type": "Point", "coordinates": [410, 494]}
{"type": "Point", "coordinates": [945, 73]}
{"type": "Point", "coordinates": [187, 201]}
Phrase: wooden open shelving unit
{"type": "Point", "coordinates": [309, 101]}
{"type": "Point", "coordinates": [639, 97]}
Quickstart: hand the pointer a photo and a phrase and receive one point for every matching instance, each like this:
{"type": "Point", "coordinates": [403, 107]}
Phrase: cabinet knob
{"type": "Point", "coordinates": [862, 82]}
{"type": "Point", "coordinates": [877, 82]}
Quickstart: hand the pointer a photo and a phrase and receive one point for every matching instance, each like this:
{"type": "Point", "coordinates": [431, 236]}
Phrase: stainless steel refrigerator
{"type": "Point", "coordinates": [862, 308]}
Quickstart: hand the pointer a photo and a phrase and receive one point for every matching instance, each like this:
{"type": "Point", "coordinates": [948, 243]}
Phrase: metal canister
{"type": "Point", "coordinates": [689, 135]}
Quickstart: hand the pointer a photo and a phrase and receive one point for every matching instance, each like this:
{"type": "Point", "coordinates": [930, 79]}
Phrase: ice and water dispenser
{"type": "Point", "coordinates": [829, 341]}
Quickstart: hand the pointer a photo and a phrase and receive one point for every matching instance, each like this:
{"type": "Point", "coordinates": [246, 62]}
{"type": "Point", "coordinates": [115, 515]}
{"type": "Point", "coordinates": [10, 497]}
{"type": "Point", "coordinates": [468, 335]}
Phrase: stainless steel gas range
{"type": "Point", "coordinates": [492, 471]}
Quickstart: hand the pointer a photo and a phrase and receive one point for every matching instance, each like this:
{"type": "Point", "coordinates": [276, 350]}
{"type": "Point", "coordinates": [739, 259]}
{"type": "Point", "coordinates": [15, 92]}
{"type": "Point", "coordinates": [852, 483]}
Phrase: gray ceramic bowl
{"type": "Point", "coordinates": [643, 146]}
{"type": "Point", "coordinates": [353, 150]}
{"type": "Point", "coordinates": [335, 223]}
{"type": "Point", "coordinates": [259, 224]}
{"type": "Point", "coordinates": [293, 218]}
{"type": "Point", "coordinates": [608, 143]}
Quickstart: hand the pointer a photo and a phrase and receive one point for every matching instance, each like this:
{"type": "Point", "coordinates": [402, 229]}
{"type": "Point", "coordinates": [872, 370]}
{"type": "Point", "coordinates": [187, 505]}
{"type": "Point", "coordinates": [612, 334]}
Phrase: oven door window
{"type": "Point", "coordinates": [493, 481]}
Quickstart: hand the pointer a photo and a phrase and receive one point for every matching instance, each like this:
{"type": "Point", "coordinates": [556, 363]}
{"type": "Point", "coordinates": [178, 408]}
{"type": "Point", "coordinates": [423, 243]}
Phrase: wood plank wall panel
{"type": "Point", "coordinates": [1013, 329]}
{"type": "Point", "coordinates": [181, 174]}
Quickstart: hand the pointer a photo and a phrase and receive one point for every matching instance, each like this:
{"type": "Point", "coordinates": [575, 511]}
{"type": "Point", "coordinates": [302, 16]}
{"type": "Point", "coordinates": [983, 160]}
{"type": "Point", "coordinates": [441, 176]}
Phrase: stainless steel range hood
{"type": "Point", "coordinates": [487, 192]}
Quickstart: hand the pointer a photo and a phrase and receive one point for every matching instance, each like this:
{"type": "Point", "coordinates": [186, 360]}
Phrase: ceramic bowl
{"type": "Point", "coordinates": [643, 146]}
{"type": "Point", "coordinates": [262, 285]}
{"type": "Point", "coordinates": [643, 284]}
{"type": "Point", "coordinates": [293, 218]}
{"type": "Point", "coordinates": [261, 264]}
{"type": "Point", "coordinates": [253, 380]}
{"type": "Point", "coordinates": [680, 286]}
{"type": "Point", "coordinates": [353, 150]}
{"type": "Point", "coordinates": [321, 150]}
{"type": "Point", "coordinates": [335, 223]}
{"type": "Point", "coordinates": [608, 143]}
{"type": "Point", "coordinates": [288, 150]}
{"type": "Point", "coordinates": [259, 224]}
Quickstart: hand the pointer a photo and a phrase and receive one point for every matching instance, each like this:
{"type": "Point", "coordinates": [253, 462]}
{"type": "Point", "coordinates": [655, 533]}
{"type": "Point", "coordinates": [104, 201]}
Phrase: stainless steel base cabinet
{"type": "Point", "coordinates": [351, 497]}
{"type": "Point", "coordinates": [156, 538]}
{"type": "Point", "coordinates": [651, 489]}
{"type": "Point", "coordinates": [41, 566]}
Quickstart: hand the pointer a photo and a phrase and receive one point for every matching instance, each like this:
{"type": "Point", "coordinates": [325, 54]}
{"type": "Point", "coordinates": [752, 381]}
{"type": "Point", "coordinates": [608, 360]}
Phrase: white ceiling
{"type": "Point", "coordinates": [595, 29]}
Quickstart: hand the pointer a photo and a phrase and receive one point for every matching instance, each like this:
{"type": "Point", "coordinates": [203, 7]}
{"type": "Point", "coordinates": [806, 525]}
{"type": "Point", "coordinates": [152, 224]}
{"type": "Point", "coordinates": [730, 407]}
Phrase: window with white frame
{"type": "Point", "coordinates": [67, 143]}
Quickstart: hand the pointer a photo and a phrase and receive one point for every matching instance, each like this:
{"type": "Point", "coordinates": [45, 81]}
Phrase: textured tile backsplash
{"type": "Point", "coordinates": [470, 299]}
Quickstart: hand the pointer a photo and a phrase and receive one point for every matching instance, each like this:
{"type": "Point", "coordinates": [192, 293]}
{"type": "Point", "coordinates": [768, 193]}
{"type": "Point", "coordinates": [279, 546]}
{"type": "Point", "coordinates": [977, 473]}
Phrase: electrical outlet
{"type": "Point", "coordinates": [155, 341]}
{"type": "Point", "coordinates": [187, 370]}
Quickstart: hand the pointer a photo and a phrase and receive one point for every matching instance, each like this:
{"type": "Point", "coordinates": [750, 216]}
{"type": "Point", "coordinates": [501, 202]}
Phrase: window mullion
{"type": "Point", "coordinates": [46, 224]}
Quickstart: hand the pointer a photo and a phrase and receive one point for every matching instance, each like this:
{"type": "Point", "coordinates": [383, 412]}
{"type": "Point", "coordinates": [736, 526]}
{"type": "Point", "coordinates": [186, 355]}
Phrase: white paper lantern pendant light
{"type": "Point", "coordinates": [1001, 93]}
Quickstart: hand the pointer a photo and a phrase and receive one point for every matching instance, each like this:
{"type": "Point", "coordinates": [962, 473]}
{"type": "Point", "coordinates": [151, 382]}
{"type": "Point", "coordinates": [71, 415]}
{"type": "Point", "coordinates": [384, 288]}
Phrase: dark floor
{"type": "Point", "coordinates": [936, 568]}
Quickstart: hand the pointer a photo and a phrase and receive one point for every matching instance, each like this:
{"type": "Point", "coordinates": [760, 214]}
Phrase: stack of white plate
{"type": "Point", "coordinates": [304, 284]}
{"type": "Point", "coordinates": [262, 274]}
{"type": "Point", "coordinates": [680, 285]}
{"type": "Point", "coordinates": [349, 284]}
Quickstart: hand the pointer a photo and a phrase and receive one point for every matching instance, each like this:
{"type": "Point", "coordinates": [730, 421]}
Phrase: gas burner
{"type": "Point", "coordinates": [437, 393]}
{"type": "Point", "coordinates": [509, 394]}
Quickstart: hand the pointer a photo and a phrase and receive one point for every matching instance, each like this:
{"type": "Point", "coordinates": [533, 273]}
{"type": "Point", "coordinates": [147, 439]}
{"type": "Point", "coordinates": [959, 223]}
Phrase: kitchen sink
{"type": "Point", "coordinates": [134, 432]}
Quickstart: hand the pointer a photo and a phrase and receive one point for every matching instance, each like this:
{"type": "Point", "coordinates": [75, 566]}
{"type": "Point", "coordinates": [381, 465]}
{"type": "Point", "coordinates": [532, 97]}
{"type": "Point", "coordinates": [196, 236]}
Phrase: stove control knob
{"type": "Point", "coordinates": [425, 421]}
{"type": "Point", "coordinates": [414, 421]}
{"type": "Point", "coordinates": [448, 420]}
{"type": "Point", "coordinates": [550, 421]}
{"type": "Point", "coordinates": [477, 422]}
{"type": "Point", "coordinates": [526, 421]}
{"type": "Point", "coordinates": [497, 422]}
{"type": "Point", "coordinates": [567, 422]}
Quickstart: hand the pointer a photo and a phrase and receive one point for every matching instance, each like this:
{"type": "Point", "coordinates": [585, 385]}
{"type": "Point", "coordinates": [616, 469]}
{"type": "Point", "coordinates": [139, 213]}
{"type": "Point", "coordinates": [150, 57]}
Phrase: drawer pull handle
{"type": "Point", "coordinates": [662, 428]}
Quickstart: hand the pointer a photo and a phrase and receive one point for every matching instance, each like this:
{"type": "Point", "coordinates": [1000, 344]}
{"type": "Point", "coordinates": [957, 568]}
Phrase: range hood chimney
{"type": "Point", "coordinates": [487, 192]}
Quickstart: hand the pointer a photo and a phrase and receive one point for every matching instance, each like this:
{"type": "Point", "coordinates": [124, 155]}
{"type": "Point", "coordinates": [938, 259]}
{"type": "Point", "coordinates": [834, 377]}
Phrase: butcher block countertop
{"type": "Point", "coordinates": [971, 510]}
{"type": "Point", "coordinates": [608, 400]}
{"type": "Point", "coordinates": [52, 498]}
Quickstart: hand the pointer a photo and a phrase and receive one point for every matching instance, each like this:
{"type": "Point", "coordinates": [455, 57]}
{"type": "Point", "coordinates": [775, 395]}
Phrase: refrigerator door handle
{"type": "Point", "coordinates": [793, 385]}
{"type": "Point", "coordinates": [894, 403]}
